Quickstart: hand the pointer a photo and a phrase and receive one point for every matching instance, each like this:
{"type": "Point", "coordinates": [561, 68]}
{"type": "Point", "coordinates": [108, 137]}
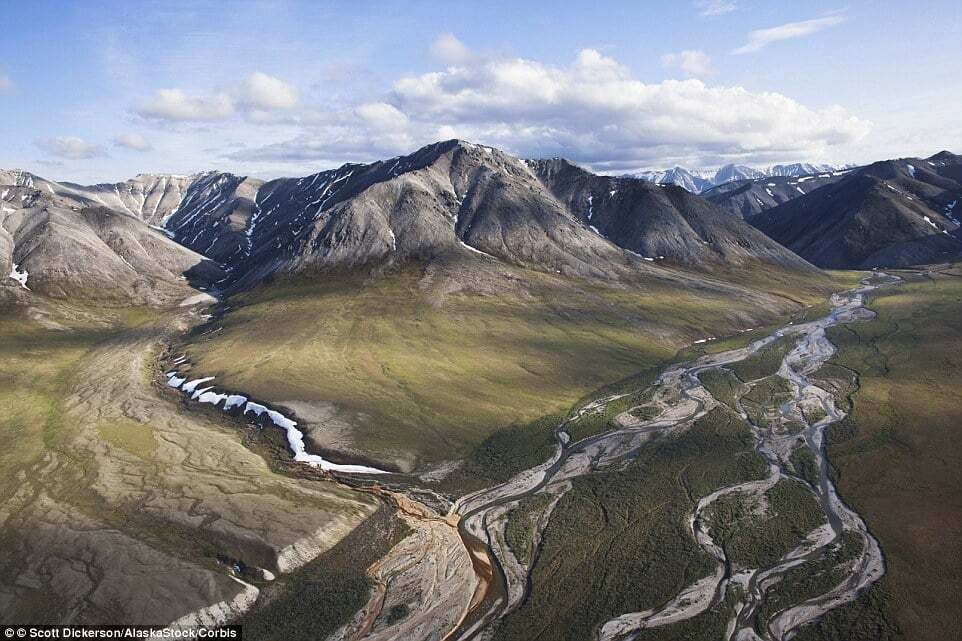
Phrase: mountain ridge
{"type": "Point", "coordinates": [457, 198]}
{"type": "Point", "coordinates": [699, 181]}
{"type": "Point", "coordinates": [451, 196]}
{"type": "Point", "coordinates": [448, 198]}
{"type": "Point", "coordinates": [891, 213]}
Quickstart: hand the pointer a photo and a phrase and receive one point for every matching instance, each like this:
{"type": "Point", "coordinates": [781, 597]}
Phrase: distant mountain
{"type": "Point", "coordinates": [698, 181]}
{"type": "Point", "coordinates": [892, 213]}
{"type": "Point", "coordinates": [730, 173]}
{"type": "Point", "coordinates": [747, 198]}
{"type": "Point", "coordinates": [794, 170]}
{"type": "Point", "coordinates": [692, 181]}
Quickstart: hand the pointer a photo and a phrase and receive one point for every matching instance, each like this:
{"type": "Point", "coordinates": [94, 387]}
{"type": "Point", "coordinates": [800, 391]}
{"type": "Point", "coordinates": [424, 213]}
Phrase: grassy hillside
{"type": "Point", "coordinates": [898, 459]}
{"type": "Point", "coordinates": [36, 363]}
{"type": "Point", "coordinates": [424, 365]}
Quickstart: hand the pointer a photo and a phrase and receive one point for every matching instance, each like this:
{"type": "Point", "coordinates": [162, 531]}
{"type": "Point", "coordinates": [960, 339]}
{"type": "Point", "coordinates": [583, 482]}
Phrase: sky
{"type": "Point", "coordinates": [101, 91]}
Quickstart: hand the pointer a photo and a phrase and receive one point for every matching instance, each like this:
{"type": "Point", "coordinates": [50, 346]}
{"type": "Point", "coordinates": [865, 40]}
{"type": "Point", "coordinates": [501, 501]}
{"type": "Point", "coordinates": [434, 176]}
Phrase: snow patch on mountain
{"type": "Point", "coordinates": [20, 276]}
{"type": "Point", "coordinates": [699, 180]}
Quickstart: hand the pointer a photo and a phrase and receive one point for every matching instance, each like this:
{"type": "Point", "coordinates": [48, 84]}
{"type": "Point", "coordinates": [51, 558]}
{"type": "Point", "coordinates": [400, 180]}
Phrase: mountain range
{"type": "Point", "coordinates": [449, 198]}
{"type": "Point", "coordinates": [747, 197]}
{"type": "Point", "coordinates": [145, 237]}
{"type": "Point", "coordinates": [700, 180]}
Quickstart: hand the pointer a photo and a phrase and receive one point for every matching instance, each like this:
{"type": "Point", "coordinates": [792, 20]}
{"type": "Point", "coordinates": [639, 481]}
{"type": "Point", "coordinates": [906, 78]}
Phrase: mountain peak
{"type": "Point", "coordinates": [945, 155]}
{"type": "Point", "coordinates": [699, 181]}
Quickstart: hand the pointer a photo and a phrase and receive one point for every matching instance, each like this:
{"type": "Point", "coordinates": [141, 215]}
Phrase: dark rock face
{"type": "Point", "coordinates": [892, 213]}
{"type": "Point", "coordinates": [214, 214]}
{"type": "Point", "coordinates": [748, 198]}
{"type": "Point", "coordinates": [664, 223]}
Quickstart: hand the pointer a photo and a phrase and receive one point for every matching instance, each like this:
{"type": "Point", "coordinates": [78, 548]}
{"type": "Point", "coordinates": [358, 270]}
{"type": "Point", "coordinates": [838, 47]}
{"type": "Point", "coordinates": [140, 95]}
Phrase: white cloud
{"type": "Point", "coordinates": [367, 132]}
{"type": "Point", "coordinates": [263, 92]}
{"type": "Point", "coordinates": [693, 63]}
{"type": "Point", "coordinates": [761, 38]}
{"type": "Point", "coordinates": [132, 141]}
{"type": "Point", "coordinates": [709, 8]}
{"type": "Point", "coordinates": [174, 104]}
{"type": "Point", "coordinates": [593, 111]}
{"type": "Point", "coordinates": [381, 116]}
{"type": "Point", "coordinates": [257, 96]}
{"type": "Point", "coordinates": [449, 50]}
{"type": "Point", "coordinates": [70, 147]}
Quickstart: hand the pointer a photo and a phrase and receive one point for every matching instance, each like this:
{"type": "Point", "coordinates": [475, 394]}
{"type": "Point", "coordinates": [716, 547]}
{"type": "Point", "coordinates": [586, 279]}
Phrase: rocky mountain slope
{"type": "Point", "coordinates": [747, 198]}
{"type": "Point", "coordinates": [214, 215]}
{"type": "Point", "coordinates": [448, 198]}
{"type": "Point", "coordinates": [452, 198]}
{"type": "Point", "coordinates": [149, 197]}
{"type": "Point", "coordinates": [89, 252]}
{"type": "Point", "coordinates": [891, 213]}
{"type": "Point", "coordinates": [663, 223]}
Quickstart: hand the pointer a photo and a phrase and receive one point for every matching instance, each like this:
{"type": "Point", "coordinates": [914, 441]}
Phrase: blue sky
{"type": "Point", "coordinates": [101, 91]}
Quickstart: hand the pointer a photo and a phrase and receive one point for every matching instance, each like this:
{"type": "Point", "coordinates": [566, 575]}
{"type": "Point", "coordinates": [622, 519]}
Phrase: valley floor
{"type": "Point", "coordinates": [898, 460]}
{"type": "Point", "coordinates": [107, 470]}
{"type": "Point", "coordinates": [692, 514]}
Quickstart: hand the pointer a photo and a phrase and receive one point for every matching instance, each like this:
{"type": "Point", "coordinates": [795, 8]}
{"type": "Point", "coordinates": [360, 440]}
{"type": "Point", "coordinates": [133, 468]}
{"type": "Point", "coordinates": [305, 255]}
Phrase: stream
{"type": "Point", "coordinates": [680, 399]}
{"type": "Point", "coordinates": [456, 576]}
